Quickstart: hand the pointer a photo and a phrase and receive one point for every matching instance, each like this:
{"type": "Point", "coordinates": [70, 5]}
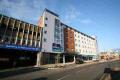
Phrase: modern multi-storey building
{"type": "Point", "coordinates": [19, 42]}
{"type": "Point", "coordinates": [60, 39]}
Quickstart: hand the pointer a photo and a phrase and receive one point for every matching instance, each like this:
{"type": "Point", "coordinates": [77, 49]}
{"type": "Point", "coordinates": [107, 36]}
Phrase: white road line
{"type": "Point", "coordinates": [81, 70]}
{"type": "Point", "coordinates": [84, 69]}
{"type": "Point", "coordinates": [63, 77]}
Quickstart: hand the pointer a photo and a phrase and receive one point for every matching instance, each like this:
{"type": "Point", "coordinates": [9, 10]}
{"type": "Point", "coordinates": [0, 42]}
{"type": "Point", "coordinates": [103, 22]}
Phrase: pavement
{"type": "Point", "coordinates": [87, 71]}
{"type": "Point", "coordinates": [70, 65]}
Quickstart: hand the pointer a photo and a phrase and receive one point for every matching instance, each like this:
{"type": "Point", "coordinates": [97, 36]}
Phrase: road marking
{"type": "Point", "coordinates": [63, 77]}
{"type": "Point", "coordinates": [84, 69]}
{"type": "Point", "coordinates": [81, 70]}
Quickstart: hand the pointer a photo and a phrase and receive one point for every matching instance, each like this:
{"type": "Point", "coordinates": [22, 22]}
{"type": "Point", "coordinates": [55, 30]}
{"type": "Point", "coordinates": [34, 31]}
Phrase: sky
{"type": "Point", "coordinates": [93, 17]}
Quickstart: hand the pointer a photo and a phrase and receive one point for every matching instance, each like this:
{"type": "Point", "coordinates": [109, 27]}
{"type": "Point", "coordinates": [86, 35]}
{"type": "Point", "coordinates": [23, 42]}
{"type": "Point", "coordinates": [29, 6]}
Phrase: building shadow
{"type": "Point", "coordinates": [114, 74]}
{"type": "Point", "coordinates": [41, 78]}
{"type": "Point", "coordinates": [9, 73]}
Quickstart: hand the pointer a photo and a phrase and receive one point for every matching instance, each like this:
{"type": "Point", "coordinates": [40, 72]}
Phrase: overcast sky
{"type": "Point", "coordinates": [93, 17]}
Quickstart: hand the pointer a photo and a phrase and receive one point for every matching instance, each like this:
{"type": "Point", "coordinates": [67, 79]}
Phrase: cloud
{"type": "Point", "coordinates": [71, 14]}
{"type": "Point", "coordinates": [30, 11]}
{"type": "Point", "coordinates": [86, 21]}
{"type": "Point", "coordinates": [23, 9]}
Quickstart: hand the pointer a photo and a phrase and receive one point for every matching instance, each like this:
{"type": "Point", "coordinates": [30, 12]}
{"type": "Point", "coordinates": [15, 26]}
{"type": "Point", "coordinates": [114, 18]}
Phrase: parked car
{"type": "Point", "coordinates": [79, 61]}
{"type": "Point", "coordinates": [95, 60]}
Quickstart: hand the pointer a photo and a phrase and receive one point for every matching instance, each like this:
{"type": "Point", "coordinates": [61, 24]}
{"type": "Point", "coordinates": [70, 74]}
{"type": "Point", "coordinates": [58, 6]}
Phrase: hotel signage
{"type": "Point", "coordinates": [56, 47]}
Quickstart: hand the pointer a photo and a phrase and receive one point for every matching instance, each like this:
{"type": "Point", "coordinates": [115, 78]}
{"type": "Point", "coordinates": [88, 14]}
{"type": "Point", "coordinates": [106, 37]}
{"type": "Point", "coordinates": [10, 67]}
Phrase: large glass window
{"type": "Point", "coordinates": [57, 31]}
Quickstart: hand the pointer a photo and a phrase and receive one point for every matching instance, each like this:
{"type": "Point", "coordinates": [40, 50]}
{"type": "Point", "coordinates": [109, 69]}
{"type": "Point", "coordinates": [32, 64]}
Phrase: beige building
{"type": "Point", "coordinates": [109, 55]}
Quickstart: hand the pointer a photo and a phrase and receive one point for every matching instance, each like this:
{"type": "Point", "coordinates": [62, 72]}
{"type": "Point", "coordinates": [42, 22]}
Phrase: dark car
{"type": "Point", "coordinates": [79, 61]}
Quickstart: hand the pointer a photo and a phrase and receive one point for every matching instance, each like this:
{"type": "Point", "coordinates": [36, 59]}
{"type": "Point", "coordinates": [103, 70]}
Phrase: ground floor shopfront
{"type": "Point", "coordinates": [10, 58]}
{"type": "Point", "coordinates": [54, 58]}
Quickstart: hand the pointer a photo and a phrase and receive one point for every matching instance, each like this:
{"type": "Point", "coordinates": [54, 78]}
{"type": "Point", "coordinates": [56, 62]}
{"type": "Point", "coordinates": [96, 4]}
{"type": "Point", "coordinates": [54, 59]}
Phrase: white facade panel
{"type": "Point", "coordinates": [52, 34]}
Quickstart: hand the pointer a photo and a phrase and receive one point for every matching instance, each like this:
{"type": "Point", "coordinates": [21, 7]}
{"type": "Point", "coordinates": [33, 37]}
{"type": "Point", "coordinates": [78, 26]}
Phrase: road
{"type": "Point", "coordinates": [88, 72]}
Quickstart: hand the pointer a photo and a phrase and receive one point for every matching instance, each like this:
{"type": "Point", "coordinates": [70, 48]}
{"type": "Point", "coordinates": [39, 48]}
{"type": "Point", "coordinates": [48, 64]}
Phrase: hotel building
{"type": "Point", "coordinates": [59, 39]}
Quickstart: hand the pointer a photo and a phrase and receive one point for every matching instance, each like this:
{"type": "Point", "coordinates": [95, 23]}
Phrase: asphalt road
{"type": "Point", "coordinates": [89, 72]}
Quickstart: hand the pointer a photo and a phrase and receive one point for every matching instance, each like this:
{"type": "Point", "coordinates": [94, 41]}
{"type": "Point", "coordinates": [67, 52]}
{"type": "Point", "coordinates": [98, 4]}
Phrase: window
{"type": "Point", "coordinates": [45, 39]}
{"type": "Point", "coordinates": [38, 34]}
{"type": "Point", "coordinates": [25, 31]}
{"type": "Point", "coordinates": [45, 32]}
{"type": "Point", "coordinates": [61, 30]}
{"type": "Point", "coordinates": [15, 28]}
{"type": "Point", "coordinates": [30, 32]}
{"type": "Point", "coordinates": [45, 25]}
{"type": "Point", "coordinates": [76, 49]}
{"type": "Point", "coordinates": [29, 42]}
{"type": "Point", "coordinates": [0, 37]}
{"type": "Point", "coordinates": [34, 33]}
{"type": "Point", "coordinates": [46, 18]}
{"type": "Point", "coordinates": [20, 30]}
{"type": "Point", "coordinates": [18, 41]}
{"type": "Point", "coordinates": [6, 39]}
{"type": "Point", "coordinates": [57, 22]}
{"type": "Point", "coordinates": [24, 42]}
{"type": "Point", "coordinates": [83, 50]}
{"type": "Point", "coordinates": [79, 50]}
